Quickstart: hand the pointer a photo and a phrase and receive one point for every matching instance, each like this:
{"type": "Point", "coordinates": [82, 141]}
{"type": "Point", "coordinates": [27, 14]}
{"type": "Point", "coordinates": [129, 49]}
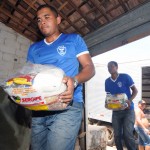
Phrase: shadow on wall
{"type": "Point", "coordinates": [14, 124]}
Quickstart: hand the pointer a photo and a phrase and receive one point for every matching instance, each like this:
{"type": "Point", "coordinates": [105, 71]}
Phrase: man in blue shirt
{"type": "Point", "coordinates": [57, 130]}
{"type": "Point", "coordinates": [122, 120]}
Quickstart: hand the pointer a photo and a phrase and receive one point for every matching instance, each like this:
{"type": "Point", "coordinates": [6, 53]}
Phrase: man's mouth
{"type": "Point", "coordinates": [44, 28]}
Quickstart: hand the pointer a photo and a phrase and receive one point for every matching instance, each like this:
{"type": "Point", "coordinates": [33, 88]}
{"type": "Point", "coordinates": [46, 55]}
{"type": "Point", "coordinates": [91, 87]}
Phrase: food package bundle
{"type": "Point", "coordinates": [116, 102]}
{"type": "Point", "coordinates": [36, 87]}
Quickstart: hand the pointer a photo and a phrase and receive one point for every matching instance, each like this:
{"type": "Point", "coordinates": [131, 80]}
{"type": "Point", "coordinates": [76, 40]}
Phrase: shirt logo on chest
{"type": "Point", "coordinates": [119, 84]}
{"type": "Point", "coordinates": [61, 50]}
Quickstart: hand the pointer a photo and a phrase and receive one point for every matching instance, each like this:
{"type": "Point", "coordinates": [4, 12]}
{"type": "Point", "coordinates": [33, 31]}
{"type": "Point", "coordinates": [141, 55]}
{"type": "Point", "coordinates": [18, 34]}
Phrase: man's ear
{"type": "Point", "coordinates": [58, 20]}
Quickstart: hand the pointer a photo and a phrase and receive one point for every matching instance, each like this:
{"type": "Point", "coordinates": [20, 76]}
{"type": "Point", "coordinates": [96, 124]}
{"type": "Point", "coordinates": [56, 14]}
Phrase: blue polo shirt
{"type": "Point", "coordinates": [62, 53]}
{"type": "Point", "coordinates": [122, 84]}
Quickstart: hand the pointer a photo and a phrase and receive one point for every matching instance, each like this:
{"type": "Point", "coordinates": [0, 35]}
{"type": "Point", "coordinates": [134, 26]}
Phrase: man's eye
{"type": "Point", "coordinates": [38, 20]}
{"type": "Point", "coordinates": [46, 17]}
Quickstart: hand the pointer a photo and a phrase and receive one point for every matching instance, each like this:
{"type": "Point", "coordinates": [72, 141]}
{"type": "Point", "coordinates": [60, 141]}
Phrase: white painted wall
{"type": "Point", "coordinates": [13, 46]}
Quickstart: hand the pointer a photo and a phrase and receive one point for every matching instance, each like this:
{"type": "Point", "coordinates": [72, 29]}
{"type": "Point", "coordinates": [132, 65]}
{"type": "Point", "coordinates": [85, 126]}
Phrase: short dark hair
{"type": "Point", "coordinates": [141, 102]}
{"type": "Point", "coordinates": [50, 7]}
{"type": "Point", "coordinates": [113, 62]}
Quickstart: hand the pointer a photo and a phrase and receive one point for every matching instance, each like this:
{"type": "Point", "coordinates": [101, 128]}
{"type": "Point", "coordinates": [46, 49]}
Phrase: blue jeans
{"type": "Point", "coordinates": [144, 139]}
{"type": "Point", "coordinates": [58, 130]}
{"type": "Point", "coordinates": [123, 125]}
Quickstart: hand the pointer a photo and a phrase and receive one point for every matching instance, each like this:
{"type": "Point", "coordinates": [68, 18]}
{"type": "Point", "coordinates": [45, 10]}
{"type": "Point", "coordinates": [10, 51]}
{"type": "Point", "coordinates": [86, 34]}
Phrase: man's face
{"type": "Point", "coordinates": [143, 105]}
{"type": "Point", "coordinates": [47, 22]}
{"type": "Point", "coordinates": [112, 68]}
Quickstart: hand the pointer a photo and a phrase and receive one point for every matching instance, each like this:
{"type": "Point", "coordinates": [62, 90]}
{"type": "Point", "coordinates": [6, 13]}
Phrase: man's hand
{"type": "Point", "coordinates": [67, 96]}
{"type": "Point", "coordinates": [129, 104]}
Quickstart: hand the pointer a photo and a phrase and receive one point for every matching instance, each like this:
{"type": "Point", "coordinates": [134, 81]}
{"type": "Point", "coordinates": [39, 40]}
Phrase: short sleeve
{"type": "Point", "coordinates": [130, 81]}
{"type": "Point", "coordinates": [81, 47]}
{"type": "Point", "coordinates": [29, 55]}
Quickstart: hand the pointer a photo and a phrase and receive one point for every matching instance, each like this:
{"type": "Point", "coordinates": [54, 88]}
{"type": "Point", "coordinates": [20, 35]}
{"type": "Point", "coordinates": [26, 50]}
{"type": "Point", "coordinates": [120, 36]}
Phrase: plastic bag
{"type": "Point", "coordinates": [116, 102]}
{"type": "Point", "coordinates": [36, 87]}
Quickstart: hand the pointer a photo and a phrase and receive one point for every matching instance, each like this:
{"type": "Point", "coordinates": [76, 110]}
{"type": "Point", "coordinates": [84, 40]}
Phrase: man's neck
{"type": "Point", "coordinates": [53, 37]}
{"type": "Point", "coordinates": [114, 76]}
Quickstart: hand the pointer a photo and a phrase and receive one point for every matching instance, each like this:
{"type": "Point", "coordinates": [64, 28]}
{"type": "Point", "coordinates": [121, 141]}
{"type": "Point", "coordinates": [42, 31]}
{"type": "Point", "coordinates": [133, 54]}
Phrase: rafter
{"type": "Point", "coordinates": [15, 19]}
{"type": "Point", "coordinates": [125, 8]}
{"type": "Point", "coordinates": [80, 16]}
{"type": "Point", "coordinates": [92, 26]}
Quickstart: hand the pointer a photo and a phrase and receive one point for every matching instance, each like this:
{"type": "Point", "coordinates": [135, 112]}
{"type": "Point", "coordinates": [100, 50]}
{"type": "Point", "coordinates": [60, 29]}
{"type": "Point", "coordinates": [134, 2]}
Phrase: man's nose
{"type": "Point", "coordinates": [43, 21]}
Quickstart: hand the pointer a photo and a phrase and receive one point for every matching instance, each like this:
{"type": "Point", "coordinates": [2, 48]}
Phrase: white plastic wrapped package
{"type": "Point", "coordinates": [116, 102]}
{"type": "Point", "coordinates": [37, 87]}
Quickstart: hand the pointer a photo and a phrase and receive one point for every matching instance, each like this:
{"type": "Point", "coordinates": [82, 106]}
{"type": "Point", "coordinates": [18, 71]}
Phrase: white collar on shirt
{"type": "Point", "coordinates": [115, 79]}
{"type": "Point", "coordinates": [53, 41]}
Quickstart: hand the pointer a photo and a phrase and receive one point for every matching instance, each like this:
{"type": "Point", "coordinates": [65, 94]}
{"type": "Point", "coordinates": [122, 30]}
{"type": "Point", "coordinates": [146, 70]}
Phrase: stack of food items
{"type": "Point", "coordinates": [116, 102]}
{"type": "Point", "coordinates": [36, 87]}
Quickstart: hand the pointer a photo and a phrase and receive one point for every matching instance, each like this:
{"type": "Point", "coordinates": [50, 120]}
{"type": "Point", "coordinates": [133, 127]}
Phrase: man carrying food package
{"type": "Point", "coordinates": [54, 128]}
{"type": "Point", "coordinates": [120, 99]}
{"type": "Point", "coordinates": [58, 130]}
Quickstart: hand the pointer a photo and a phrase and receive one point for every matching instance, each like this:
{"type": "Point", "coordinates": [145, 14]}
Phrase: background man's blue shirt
{"type": "Point", "coordinates": [122, 84]}
{"type": "Point", "coordinates": [62, 53]}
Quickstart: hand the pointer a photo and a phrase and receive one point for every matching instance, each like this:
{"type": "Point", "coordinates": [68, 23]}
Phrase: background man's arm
{"type": "Point", "coordinates": [133, 95]}
{"type": "Point", "coordinates": [134, 92]}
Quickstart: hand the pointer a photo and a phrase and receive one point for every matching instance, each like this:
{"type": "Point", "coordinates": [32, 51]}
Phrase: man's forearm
{"type": "Point", "coordinates": [86, 73]}
{"type": "Point", "coordinates": [134, 93]}
{"type": "Point", "coordinates": [132, 97]}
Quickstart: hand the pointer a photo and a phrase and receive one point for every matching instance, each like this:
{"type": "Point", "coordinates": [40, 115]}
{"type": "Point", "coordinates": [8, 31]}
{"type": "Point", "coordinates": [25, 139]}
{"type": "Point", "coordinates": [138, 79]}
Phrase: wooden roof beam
{"type": "Point", "coordinates": [92, 26]}
{"type": "Point", "coordinates": [125, 8]}
{"type": "Point", "coordinates": [22, 13]}
{"type": "Point", "coordinates": [100, 10]}
{"type": "Point", "coordinates": [17, 30]}
{"type": "Point", "coordinates": [17, 3]}
{"type": "Point", "coordinates": [19, 23]}
{"type": "Point", "coordinates": [30, 4]}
